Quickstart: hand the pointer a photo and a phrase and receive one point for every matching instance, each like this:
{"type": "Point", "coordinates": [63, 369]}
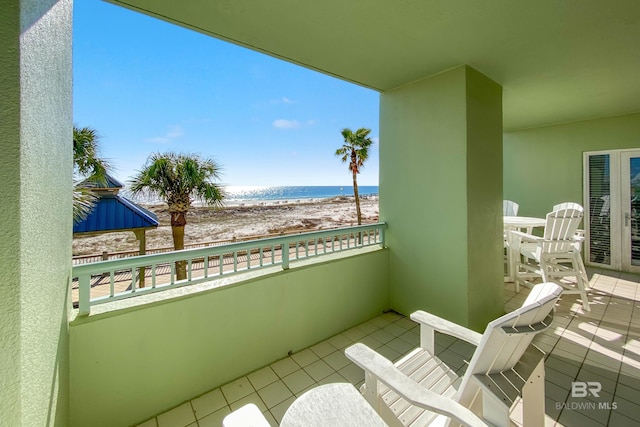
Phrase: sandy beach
{"type": "Point", "coordinates": [206, 224]}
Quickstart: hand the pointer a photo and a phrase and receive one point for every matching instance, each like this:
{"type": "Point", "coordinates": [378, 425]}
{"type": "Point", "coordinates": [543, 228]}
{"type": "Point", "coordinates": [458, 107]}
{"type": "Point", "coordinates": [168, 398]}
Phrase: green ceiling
{"type": "Point", "coordinates": [558, 60]}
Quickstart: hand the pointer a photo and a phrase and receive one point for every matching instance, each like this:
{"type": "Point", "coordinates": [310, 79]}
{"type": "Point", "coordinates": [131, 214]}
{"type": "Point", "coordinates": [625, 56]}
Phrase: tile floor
{"type": "Point", "coordinates": [599, 346]}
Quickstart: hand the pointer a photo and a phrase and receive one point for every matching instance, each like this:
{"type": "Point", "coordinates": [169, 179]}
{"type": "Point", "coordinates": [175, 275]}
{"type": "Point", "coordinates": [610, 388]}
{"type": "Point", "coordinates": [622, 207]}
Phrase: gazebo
{"type": "Point", "coordinates": [115, 213]}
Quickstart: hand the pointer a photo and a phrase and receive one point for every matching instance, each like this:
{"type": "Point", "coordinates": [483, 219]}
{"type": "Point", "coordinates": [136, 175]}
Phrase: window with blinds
{"type": "Point", "coordinates": [599, 192]}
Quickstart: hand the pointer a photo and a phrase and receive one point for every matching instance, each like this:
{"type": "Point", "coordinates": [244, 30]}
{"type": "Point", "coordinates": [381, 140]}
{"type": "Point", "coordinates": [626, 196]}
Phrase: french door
{"type": "Point", "coordinates": [612, 205]}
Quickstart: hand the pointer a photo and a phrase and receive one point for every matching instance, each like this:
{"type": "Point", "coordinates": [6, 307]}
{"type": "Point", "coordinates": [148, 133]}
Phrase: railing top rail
{"type": "Point", "coordinates": [159, 258]}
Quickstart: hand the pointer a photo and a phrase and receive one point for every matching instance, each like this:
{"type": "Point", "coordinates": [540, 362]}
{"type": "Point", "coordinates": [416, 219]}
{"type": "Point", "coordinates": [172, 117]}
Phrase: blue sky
{"type": "Point", "coordinates": [149, 86]}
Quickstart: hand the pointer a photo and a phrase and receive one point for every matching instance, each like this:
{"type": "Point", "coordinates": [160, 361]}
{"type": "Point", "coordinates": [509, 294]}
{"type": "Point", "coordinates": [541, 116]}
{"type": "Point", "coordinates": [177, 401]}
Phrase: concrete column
{"type": "Point", "coordinates": [441, 194]}
{"type": "Point", "coordinates": [35, 207]}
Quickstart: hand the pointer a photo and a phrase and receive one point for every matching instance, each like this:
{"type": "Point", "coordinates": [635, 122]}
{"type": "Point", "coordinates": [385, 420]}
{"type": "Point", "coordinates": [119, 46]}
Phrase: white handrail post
{"type": "Point", "coordinates": [84, 289]}
{"type": "Point", "coordinates": [285, 255]}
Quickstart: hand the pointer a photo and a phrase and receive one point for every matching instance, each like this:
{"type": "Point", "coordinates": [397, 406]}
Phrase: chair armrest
{"type": "Point", "coordinates": [385, 372]}
{"type": "Point", "coordinates": [525, 236]}
{"type": "Point", "coordinates": [429, 322]}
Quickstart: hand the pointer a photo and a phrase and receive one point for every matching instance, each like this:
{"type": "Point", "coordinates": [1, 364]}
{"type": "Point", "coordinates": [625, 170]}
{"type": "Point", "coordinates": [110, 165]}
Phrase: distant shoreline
{"type": "Point", "coordinates": [270, 195]}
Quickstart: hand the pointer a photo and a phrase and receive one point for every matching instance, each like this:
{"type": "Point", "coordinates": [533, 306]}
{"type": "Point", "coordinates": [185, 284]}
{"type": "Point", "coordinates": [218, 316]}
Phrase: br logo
{"type": "Point", "coordinates": [584, 389]}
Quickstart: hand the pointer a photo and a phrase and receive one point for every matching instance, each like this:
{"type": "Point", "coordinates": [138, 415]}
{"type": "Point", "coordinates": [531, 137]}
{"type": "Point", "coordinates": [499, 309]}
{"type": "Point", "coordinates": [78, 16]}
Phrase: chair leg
{"type": "Point", "coordinates": [533, 397]}
{"type": "Point", "coordinates": [581, 272]}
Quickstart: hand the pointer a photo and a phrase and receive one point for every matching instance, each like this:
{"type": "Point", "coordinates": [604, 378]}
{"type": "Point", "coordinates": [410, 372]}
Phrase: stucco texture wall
{"type": "Point", "coordinates": [130, 365]}
{"type": "Point", "coordinates": [543, 166]}
{"type": "Point", "coordinates": [440, 194]}
{"type": "Point", "coordinates": [35, 204]}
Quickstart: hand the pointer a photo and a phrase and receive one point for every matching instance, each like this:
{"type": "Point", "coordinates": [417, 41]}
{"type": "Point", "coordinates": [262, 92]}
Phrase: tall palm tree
{"type": "Point", "coordinates": [355, 150]}
{"type": "Point", "coordinates": [89, 165]}
{"type": "Point", "coordinates": [177, 178]}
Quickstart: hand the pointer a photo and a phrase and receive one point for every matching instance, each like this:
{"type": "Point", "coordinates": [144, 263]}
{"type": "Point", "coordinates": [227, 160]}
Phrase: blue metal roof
{"type": "Point", "coordinates": [113, 213]}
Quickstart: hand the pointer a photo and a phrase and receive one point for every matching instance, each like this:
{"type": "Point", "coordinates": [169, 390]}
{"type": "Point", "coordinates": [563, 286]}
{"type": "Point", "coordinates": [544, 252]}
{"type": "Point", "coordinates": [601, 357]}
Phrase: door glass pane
{"type": "Point", "coordinates": [599, 209]}
{"type": "Point", "coordinates": [634, 209]}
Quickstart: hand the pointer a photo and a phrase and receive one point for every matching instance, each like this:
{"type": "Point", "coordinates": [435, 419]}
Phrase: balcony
{"type": "Point", "coordinates": [264, 333]}
{"type": "Point", "coordinates": [602, 346]}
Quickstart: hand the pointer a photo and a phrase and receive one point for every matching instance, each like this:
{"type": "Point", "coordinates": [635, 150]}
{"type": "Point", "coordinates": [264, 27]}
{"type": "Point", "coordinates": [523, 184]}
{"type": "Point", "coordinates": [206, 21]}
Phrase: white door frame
{"type": "Point", "coordinates": [619, 197]}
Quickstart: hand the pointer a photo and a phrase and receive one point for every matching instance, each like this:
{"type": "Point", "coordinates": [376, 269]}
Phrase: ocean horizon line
{"type": "Point", "coordinates": [256, 195]}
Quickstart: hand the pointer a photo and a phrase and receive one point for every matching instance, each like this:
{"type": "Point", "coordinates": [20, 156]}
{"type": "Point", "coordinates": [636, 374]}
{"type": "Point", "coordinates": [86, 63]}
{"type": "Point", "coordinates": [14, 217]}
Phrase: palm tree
{"type": "Point", "coordinates": [355, 150]}
{"type": "Point", "coordinates": [89, 165]}
{"type": "Point", "coordinates": [177, 178]}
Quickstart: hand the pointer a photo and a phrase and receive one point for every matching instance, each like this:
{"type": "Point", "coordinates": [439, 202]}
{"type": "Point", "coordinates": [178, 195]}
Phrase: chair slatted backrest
{"type": "Point", "coordinates": [560, 229]}
{"type": "Point", "coordinates": [508, 337]}
{"type": "Point", "coordinates": [567, 205]}
{"type": "Point", "coordinates": [510, 208]}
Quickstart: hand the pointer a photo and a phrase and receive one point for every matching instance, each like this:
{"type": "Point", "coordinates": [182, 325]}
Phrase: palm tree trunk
{"type": "Point", "coordinates": [355, 193]}
{"type": "Point", "coordinates": [178, 221]}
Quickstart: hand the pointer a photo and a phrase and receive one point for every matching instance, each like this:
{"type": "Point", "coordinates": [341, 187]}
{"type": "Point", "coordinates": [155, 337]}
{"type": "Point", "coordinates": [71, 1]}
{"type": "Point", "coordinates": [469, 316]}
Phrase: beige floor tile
{"type": "Point", "coordinates": [354, 334]}
{"type": "Point", "coordinates": [237, 390]}
{"type": "Point", "coordinates": [370, 342]}
{"type": "Point", "coordinates": [352, 373]}
{"type": "Point", "coordinates": [208, 403]}
{"type": "Point", "coordinates": [298, 381]}
{"type": "Point", "coordinates": [340, 341]}
{"type": "Point", "coordinates": [323, 348]}
{"type": "Point", "coordinates": [382, 336]}
{"type": "Point", "coordinates": [389, 353]}
{"type": "Point", "coordinates": [628, 393]}
{"type": "Point", "coordinates": [627, 408]}
{"type": "Point", "coordinates": [337, 360]}
{"type": "Point", "coordinates": [274, 393]}
{"type": "Point", "coordinates": [394, 329]}
{"type": "Point", "coordinates": [304, 357]}
{"type": "Point", "coordinates": [319, 370]}
{"type": "Point", "coordinates": [401, 346]}
{"type": "Point", "coordinates": [367, 328]}
{"type": "Point", "coordinates": [411, 338]}
{"type": "Point", "coordinates": [270, 419]}
{"type": "Point", "coordinates": [215, 419]}
{"type": "Point", "coordinates": [262, 377]}
{"type": "Point", "coordinates": [252, 398]}
{"type": "Point", "coordinates": [333, 378]}
{"type": "Point", "coordinates": [406, 323]}
{"type": "Point", "coordinates": [285, 366]}
{"type": "Point", "coordinates": [380, 322]}
{"type": "Point", "coordinates": [177, 417]}
{"type": "Point", "coordinates": [279, 410]}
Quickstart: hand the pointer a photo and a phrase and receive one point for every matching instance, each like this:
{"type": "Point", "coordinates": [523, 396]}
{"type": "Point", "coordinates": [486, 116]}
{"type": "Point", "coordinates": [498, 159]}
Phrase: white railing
{"type": "Point", "coordinates": [105, 281]}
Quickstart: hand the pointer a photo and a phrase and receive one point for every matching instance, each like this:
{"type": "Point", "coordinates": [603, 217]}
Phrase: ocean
{"type": "Point", "coordinates": [238, 195]}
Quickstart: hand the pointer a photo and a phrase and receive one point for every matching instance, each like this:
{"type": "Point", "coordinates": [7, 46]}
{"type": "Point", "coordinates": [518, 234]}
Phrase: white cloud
{"type": "Point", "coordinates": [283, 100]}
{"type": "Point", "coordinates": [292, 124]}
{"type": "Point", "coordinates": [173, 133]}
{"type": "Point", "coordinates": [286, 124]}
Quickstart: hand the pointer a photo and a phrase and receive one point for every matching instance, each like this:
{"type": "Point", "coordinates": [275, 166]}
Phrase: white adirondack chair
{"type": "Point", "coordinates": [510, 208]}
{"type": "Point", "coordinates": [567, 205]}
{"type": "Point", "coordinates": [555, 255]}
{"type": "Point", "coordinates": [572, 205]}
{"type": "Point", "coordinates": [420, 389]}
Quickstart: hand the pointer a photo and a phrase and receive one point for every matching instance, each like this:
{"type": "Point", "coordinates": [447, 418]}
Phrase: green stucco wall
{"type": "Point", "coordinates": [441, 195]}
{"type": "Point", "coordinates": [35, 205]}
{"type": "Point", "coordinates": [129, 365]}
{"type": "Point", "coordinates": [543, 166]}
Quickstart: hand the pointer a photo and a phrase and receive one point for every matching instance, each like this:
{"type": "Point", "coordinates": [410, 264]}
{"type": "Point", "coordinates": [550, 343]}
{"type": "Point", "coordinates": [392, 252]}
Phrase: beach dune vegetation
{"type": "Point", "coordinates": [355, 151]}
{"type": "Point", "coordinates": [179, 180]}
